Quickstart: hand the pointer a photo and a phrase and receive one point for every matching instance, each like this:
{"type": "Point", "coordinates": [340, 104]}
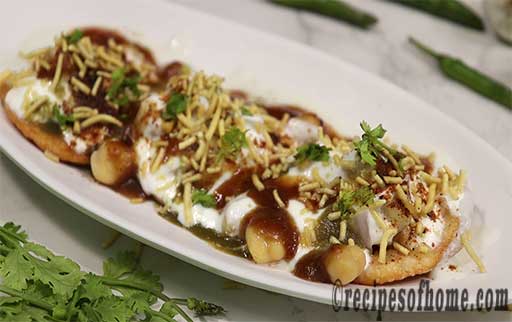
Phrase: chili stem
{"type": "Point", "coordinates": [424, 48]}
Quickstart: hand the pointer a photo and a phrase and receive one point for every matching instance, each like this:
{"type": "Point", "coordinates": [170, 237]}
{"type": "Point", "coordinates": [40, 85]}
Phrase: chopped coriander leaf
{"type": "Point", "coordinates": [232, 142]}
{"type": "Point", "coordinates": [177, 104]}
{"type": "Point", "coordinates": [15, 231]}
{"type": "Point", "coordinates": [74, 37]}
{"type": "Point", "coordinates": [202, 197]}
{"type": "Point", "coordinates": [119, 82]}
{"type": "Point", "coordinates": [345, 202]}
{"type": "Point", "coordinates": [312, 152]}
{"type": "Point", "coordinates": [245, 111]}
{"type": "Point", "coordinates": [62, 119]}
{"type": "Point", "coordinates": [122, 100]}
{"type": "Point", "coordinates": [131, 83]}
{"type": "Point", "coordinates": [370, 145]}
{"type": "Point", "coordinates": [358, 198]}
{"type": "Point", "coordinates": [364, 196]}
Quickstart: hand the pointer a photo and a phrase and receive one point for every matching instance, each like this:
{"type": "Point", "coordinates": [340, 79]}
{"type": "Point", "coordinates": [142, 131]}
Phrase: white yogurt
{"type": "Point", "coordinates": [150, 124]}
{"type": "Point", "coordinates": [234, 212]}
{"type": "Point", "coordinates": [163, 183]}
{"type": "Point", "coordinates": [300, 213]}
{"type": "Point", "coordinates": [327, 170]}
{"type": "Point", "coordinates": [301, 131]}
{"type": "Point", "coordinates": [38, 88]}
{"type": "Point", "coordinates": [75, 142]}
{"type": "Point", "coordinates": [252, 122]}
{"type": "Point", "coordinates": [206, 217]}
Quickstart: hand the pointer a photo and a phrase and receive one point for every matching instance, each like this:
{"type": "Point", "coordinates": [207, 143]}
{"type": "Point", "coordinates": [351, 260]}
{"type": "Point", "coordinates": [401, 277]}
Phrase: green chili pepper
{"type": "Point", "coordinates": [457, 70]}
{"type": "Point", "coordinates": [451, 10]}
{"type": "Point", "coordinates": [332, 8]}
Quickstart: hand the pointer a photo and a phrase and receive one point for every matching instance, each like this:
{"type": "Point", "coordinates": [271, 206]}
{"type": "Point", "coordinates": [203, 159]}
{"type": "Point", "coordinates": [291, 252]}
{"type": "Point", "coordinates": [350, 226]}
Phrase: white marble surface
{"type": "Point", "coordinates": [383, 51]}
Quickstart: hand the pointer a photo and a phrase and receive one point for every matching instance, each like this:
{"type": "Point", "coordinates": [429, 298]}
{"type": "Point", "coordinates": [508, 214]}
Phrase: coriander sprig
{"type": "Point", "coordinates": [74, 37]}
{"type": "Point", "coordinates": [232, 142]}
{"type": "Point", "coordinates": [60, 118]}
{"type": "Point", "coordinates": [353, 198]}
{"type": "Point", "coordinates": [42, 286]}
{"type": "Point", "coordinates": [120, 83]}
{"type": "Point", "coordinates": [245, 111]}
{"type": "Point", "coordinates": [312, 152]}
{"type": "Point", "coordinates": [370, 146]}
{"type": "Point", "coordinates": [177, 104]}
{"type": "Point", "coordinates": [203, 198]}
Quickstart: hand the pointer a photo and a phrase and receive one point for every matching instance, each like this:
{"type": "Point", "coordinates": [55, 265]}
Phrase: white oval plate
{"type": "Point", "coordinates": [276, 69]}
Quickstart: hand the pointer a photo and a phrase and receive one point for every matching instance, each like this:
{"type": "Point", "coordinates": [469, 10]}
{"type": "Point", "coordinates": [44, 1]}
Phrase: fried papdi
{"type": "Point", "coordinates": [46, 140]}
{"type": "Point", "coordinates": [399, 266]}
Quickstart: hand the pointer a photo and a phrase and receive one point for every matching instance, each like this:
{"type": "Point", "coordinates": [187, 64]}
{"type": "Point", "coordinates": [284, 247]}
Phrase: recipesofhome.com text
{"type": "Point", "coordinates": [424, 298]}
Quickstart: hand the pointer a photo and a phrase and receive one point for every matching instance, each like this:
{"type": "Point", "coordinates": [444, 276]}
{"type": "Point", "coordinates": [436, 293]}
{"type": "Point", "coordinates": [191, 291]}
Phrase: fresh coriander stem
{"type": "Point", "coordinates": [424, 48]}
{"type": "Point", "coordinates": [36, 302]}
{"type": "Point", "coordinates": [161, 315]}
{"type": "Point", "coordinates": [8, 240]}
{"type": "Point", "coordinates": [71, 305]}
{"type": "Point", "coordinates": [5, 249]}
{"type": "Point", "coordinates": [117, 282]}
{"type": "Point", "coordinates": [12, 235]}
{"type": "Point", "coordinates": [180, 301]}
{"type": "Point", "coordinates": [180, 311]}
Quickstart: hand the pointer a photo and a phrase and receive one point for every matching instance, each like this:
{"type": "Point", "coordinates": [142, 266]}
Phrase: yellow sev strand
{"type": "Point", "coordinates": [388, 234]}
{"type": "Point", "coordinates": [214, 123]}
{"type": "Point", "coordinates": [423, 248]}
{"type": "Point", "coordinates": [96, 85]}
{"type": "Point", "coordinates": [403, 197]}
{"type": "Point", "coordinates": [465, 240]}
{"type": "Point", "coordinates": [58, 72]}
{"type": "Point", "coordinates": [430, 199]}
{"type": "Point", "coordinates": [187, 203]}
{"type": "Point", "coordinates": [429, 179]}
{"type": "Point", "coordinates": [444, 184]}
{"type": "Point", "coordinates": [378, 219]}
{"type": "Point", "coordinates": [257, 182]}
{"type": "Point", "coordinates": [343, 230]}
{"type": "Point", "coordinates": [402, 249]}
{"type": "Point", "coordinates": [460, 181]}
{"type": "Point", "coordinates": [101, 118]}
{"type": "Point", "coordinates": [411, 153]}
{"type": "Point", "coordinates": [36, 105]}
{"type": "Point", "coordinates": [278, 199]}
{"type": "Point", "coordinates": [393, 161]}
{"type": "Point", "coordinates": [158, 160]}
{"type": "Point", "coordinates": [80, 85]}
{"type": "Point", "coordinates": [188, 142]}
